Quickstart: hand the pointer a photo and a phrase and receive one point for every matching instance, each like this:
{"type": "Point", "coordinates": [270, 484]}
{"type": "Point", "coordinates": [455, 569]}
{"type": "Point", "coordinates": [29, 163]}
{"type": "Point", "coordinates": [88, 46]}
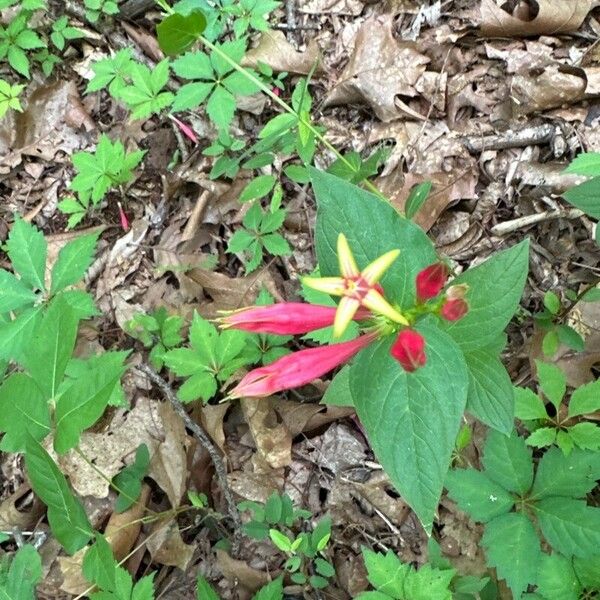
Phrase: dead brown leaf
{"type": "Point", "coordinates": [167, 547]}
{"type": "Point", "coordinates": [274, 50]}
{"type": "Point", "coordinates": [239, 573]}
{"type": "Point", "coordinates": [211, 416]}
{"type": "Point", "coordinates": [335, 7]}
{"type": "Point", "coordinates": [534, 18]}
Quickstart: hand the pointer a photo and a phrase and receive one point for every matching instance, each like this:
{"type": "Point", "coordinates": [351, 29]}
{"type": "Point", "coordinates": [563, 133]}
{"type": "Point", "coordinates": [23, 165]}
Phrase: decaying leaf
{"type": "Point", "coordinates": [530, 17]}
{"type": "Point", "coordinates": [167, 547]}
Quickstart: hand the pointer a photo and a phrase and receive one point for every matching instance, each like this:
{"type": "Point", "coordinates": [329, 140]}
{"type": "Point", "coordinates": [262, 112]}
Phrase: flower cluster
{"type": "Point", "coordinates": [362, 299]}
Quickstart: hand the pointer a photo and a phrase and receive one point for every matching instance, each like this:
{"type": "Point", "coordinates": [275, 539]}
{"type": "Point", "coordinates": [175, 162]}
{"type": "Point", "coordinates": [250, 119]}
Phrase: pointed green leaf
{"type": "Point", "coordinates": [385, 572]}
{"type": "Point", "coordinates": [27, 250]}
{"type": "Point", "coordinates": [585, 435]}
{"type": "Point", "coordinates": [513, 548]}
{"type": "Point", "coordinates": [556, 578]}
{"type": "Point", "coordinates": [414, 423]}
{"type": "Point", "coordinates": [14, 294]}
{"type": "Point", "coordinates": [585, 399]}
{"type": "Point", "coordinates": [542, 437]}
{"type": "Point", "coordinates": [204, 591]}
{"type": "Point", "coordinates": [66, 515]}
{"type": "Point", "coordinates": [15, 335]}
{"type": "Point", "coordinates": [24, 573]}
{"type": "Point", "coordinates": [177, 33]}
{"type": "Point", "coordinates": [528, 405]}
{"type": "Point", "coordinates": [73, 261]}
{"type": "Point", "coordinates": [429, 584]}
{"type": "Point", "coordinates": [552, 382]}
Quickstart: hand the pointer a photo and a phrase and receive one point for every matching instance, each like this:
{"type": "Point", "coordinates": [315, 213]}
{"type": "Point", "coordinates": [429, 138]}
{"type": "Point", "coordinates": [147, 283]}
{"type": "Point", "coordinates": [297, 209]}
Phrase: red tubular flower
{"type": "Point", "coordinates": [431, 280]}
{"type": "Point", "coordinates": [454, 309]}
{"type": "Point", "coordinates": [409, 350]}
{"type": "Point", "coordinates": [297, 369]}
{"type": "Point", "coordinates": [284, 318]}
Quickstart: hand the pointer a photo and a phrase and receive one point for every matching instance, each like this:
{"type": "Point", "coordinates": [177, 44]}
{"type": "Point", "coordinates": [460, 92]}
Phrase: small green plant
{"type": "Point", "coordinates": [210, 360]}
{"type": "Point", "coordinates": [9, 97]}
{"type": "Point", "coordinates": [94, 9]}
{"type": "Point", "coordinates": [112, 73]}
{"type": "Point", "coordinates": [129, 480]}
{"type": "Point", "coordinates": [271, 591]}
{"type": "Point", "coordinates": [259, 233]}
{"type": "Point", "coordinates": [213, 80]}
{"type": "Point", "coordinates": [565, 428]}
{"type": "Point", "coordinates": [62, 31]}
{"type": "Point", "coordinates": [16, 39]}
{"type": "Point", "coordinates": [20, 575]}
{"type": "Point", "coordinates": [98, 172]}
{"type": "Point", "coordinates": [550, 320]}
{"type": "Point", "coordinates": [516, 507]}
{"type": "Point", "coordinates": [354, 169]}
{"type": "Point", "coordinates": [157, 330]}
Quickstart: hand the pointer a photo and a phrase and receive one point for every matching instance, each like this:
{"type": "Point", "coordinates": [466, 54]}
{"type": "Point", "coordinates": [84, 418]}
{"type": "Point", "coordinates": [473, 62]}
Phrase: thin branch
{"type": "Point", "coordinates": [208, 445]}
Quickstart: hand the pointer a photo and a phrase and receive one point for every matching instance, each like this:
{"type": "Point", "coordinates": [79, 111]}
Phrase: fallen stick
{"type": "Point", "coordinates": [515, 224]}
{"type": "Point", "coordinates": [537, 134]}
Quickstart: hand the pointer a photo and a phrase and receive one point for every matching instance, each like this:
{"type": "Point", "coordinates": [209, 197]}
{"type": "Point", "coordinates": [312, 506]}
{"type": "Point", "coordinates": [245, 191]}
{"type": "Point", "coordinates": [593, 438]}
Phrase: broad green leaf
{"type": "Point", "coordinates": [528, 405]}
{"type": "Point", "coordinates": [495, 288]}
{"type": "Point", "coordinates": [200, 385]}
{"type": "Point", "coordinates": [414, 422]}
{"type": "Point", "coordinates": [513, 548]}
{"type": "Point", "coordinates": [66, 515]}
{"type": "Point", "coordinates": [15, 335]}
{"type": "Point", "coordinates": [385, 572]}
{"type": "Point", "coordinates": [51, 346]}
{"type": "Point", "coordinates": [23, 412]}
{"type": "Point", "coordinates": [574, 475]}
{"type": "Point", "coordinates": [144, 588]}
{"type": "Point", "coordinates": [177, 33]}
{"type": "Point", "coordinates": [585, 197]}
{"type": "Point", "coordinates": [271, 591]}
{"type": "Point", "coordinates": [83, 402]}
{"type": "Point", "coordinates": [585, 435]}
{"type": "Point", "coordinates": [27, 250]}
{"type": "Point", "coordinates": [204, 590]}
{"type": "Point", "coordinates": [276, 244]}
{"type": "Point", "coordinates": [14, 294]}
{"type": "Point", "coordinates": [339, 393]}
{"type": "Point", "coordinates": [552, 302]}
{"type": "Point", "coordinates": [570, 526]}
{"type": "Point", "coordinates": [508, 462]}
{"type": "Point", "coordinates": [73, 261]}
{"type": "Point", "coordinates": [24, 573]}
{"type": "Point", "coordinates": [564, 441]}
{"type": "Point", "coordinates": [491, 395]}
{"type": "Point", "coordinates": [477, 495]}
{"type": "Point", "coordinates": [556, 578]}
{"type": "Point", "coordinates": [571, 338]}
{"type": "Point", "coordinates": [587, 163]}
{"type": "Point", "coordinates": [428, 584]}
{"type": "Point", "coordinates": [552, 382]}
{"type": "Point", "coordinates": [221, 107]}
{"type": "Point", "coordinates": [192, 95]}
{"type": "Point", "coordinates": [129, 480]}
{"type": "Point", "coordinates": [416, 198]}
{"type": "Point", "coordinates": [258, 187]}
{"type": "Point", "coordinates": [194, 65]}
{"type": "Point", "coordinates": [585, 399]}
{"type": "Point", "coordinates": [346, 208]}
{"type": "Point", "coordinates": [588, 571]}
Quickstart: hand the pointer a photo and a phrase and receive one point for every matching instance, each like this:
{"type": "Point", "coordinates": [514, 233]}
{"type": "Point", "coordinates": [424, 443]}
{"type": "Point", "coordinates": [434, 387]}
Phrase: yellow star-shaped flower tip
{"type": "Point", "coordinates": [357, 288]}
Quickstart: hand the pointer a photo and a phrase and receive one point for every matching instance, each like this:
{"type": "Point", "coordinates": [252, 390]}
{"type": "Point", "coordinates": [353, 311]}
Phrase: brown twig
{"type": "Point", "coordinates": [209, 446]}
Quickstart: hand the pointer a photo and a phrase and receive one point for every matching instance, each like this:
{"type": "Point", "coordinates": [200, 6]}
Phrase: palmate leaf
{"type": "Point", "coordinates": [413, 423]}
{"type": "Point", "coordinates": [513, 548]}
{"type": "Point", "coordinates": [66, 515]}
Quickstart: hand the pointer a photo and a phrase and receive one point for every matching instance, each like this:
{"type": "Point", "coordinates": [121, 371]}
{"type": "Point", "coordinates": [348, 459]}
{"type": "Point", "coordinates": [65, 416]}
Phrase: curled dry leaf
{"type": "Point", "coordinates": [380, 70]}
{"type": "Point", "coordinates": [274, 50]}
{"type": "Point", "coordinates": [534, 18]}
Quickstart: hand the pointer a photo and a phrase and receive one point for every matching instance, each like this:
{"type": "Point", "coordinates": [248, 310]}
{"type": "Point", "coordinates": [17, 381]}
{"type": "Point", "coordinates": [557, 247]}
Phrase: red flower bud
{"type": "Point", "coordinates": [431, 280]}
{"type": "Point", "coordinates": [409, 350]}
{"type": "Point", "coordinates": [454, 309]}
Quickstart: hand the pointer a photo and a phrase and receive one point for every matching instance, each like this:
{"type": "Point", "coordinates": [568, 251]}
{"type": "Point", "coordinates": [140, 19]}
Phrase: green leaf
{"type": "Point", "coordinates": [491, 395]}
{"type": "Point", "coordinates": [259, 187]}
{"type": "Point", "coordinates": [508, 462]}
{"type": "Point", "coordinates": [585, 399]}
{"type": "Point", "coordinates": [192, 95]}
{"type": "Point", "coordinates": [24, 573]}
{"type": "Point", "coordinates": [204, 591]}
{"type": "Point", "coordinates": [569, 337]}
{"type": "Point", "coordinates": [428, 584]}
{"type": "Point", "coordinates": [385, 572]}
{"type": "Point", "coordinates": [564, 441]}
{"type": "Point", "coordinates": [99, 564]}
{"type": "Point", "coordinates": [271, 591]}
{"type": "Point", "coordinates": [239, 84]}
{"type": "Point", "coordinates": [585, 197]}
{"type": "Point", "coordinates": [574, 475]}
{"type": "Point", "coordinates": [339, 393]}
{"type": "Point", "coordinates": [513, 548]}
{"type": "Point", "coordinates": [416, 198]}
{"type": "Point", "coordinates": [588, 571]}
{"type": "Point", "coordinates": [552, 302]}
{"type": "Point", "coordinates": [66, 515]}
{"type": "Point", "coordinates": [552, 382]}
{"type": "Point", "coordinates": [570, 526]}
{"type": "Point", "coordinates": [15, 335]}
{"type": "Point", "coordinates": [414, 423]}
{"type": "Point", "coordinates": [592, 295]}
{"type": "Point", "coordinates": [585, 435]}
{"type": "Point", "coordinates": [276, 244]}
{"type": "Point", "coordinates": [544, 436]}
{"type": "Point", "coordinates": [73, 261]}
{"type": "Point", "coordinates": [18, 60]}
{"type": "Point", "coordinates": [84, 401]}
{"type": "Point", "coordinates": [221, 107]}
{"type": "Point", "coordinates": [345, 208]}
{"type": "Point", "coordinates": [129, 480]}
{"type": "Point", "coordinates": [14, 294]}
{"type": "Point", "coordinates": [528, 405]}
{"type": "Point", "coordinates": [495, 288]}
{"type": "Point", "coordinates": [477, 495]}
{"type": "Point", "coordinates": [587, 163]}
{"type": "Point", "coordinates": [177, 33]}
{"type": "Point", "coordinates": [280, 540]}
{"type": "Point", "coordinates": [27, 250]}
{"type": "Point", "coordinates": [51, 346]}
{"type": "Point", "coordinates": [556, 578]}
{"type": "Point", "coordinates": [23, 413]}
{"type": "Point", "coordinates": [550, 342]}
